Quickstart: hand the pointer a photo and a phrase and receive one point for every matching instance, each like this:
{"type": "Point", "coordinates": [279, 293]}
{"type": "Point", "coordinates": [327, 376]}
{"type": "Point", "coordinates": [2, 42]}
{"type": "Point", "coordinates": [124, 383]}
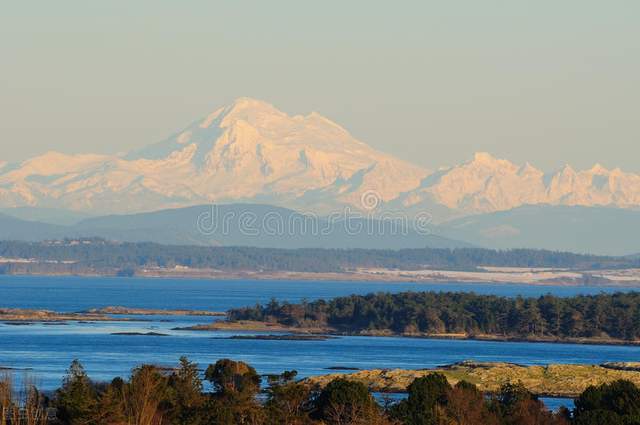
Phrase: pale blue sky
{"type": "Point", "coordinates": [432, 82]}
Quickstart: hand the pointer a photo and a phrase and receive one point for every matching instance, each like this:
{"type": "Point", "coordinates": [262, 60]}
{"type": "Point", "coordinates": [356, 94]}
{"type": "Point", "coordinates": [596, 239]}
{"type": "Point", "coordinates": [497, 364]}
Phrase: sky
{"type": "Point", "coordinates": [432, 82]}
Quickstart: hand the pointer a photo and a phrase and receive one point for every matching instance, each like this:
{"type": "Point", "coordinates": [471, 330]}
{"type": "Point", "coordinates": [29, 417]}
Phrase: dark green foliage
{"type": "Point", "coordinates": [425, 395]}
{"type": "Point", "coordinates": [110, 408]}
{"type": "Point", "coordinates": [288, 402]}
{"type": "Point", "coordinates": [125, 258]}
{"type": "Point", "coordinates": [605, 315]}
{"type": "Point", "coordinates": [187, 399]}
{"type": "Point", "coordinates": [617, 402]}
{"type": "Point", "coordinates": [513, 394]}
{"type": "Point", "coordinates": [346, 402]}
{"type": "Point", "coordinates": [601, 417]}
{"type": "Point", "coordinates": [511, 399]}
{"type": "Point", "coordinates": [235, 385]}
{"type": "Point", "coordinates": [76, 399]}
{"type": "Point", "coordinates": [229, 377]}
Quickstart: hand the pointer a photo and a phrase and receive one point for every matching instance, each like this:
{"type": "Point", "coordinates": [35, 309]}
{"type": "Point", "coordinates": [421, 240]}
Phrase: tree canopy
{"type": "Point", "coordinates": [586, 316]}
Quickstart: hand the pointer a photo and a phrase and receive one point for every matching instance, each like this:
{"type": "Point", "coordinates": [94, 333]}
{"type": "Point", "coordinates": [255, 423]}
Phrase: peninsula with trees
{"type": "Point", "coordinates": [601, 319]}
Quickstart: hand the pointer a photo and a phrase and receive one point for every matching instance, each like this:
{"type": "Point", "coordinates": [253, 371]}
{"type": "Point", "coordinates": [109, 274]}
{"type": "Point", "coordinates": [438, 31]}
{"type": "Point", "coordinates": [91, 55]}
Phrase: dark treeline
{"type": "Point", "coordinates": [231, 395]}
{"type": "Point", "coordinates": [97, 254]}
{"type": "Point", "coordinates": [589, 316]}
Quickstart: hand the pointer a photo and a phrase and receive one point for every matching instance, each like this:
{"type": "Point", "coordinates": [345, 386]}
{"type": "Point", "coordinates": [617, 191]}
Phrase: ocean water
{"type": "Point", "coordinates": [77, 293]}
{"type": "Point", "coordinates": [44, 351]}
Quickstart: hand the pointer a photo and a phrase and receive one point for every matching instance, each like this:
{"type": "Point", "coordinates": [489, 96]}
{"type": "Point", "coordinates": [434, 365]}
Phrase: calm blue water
{"type": "Point", "coordinates": [77, 293]}
{"type": "Point", "coordinates": [45, 351]}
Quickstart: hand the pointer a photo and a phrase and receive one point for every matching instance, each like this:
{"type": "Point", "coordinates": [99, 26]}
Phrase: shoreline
{"type": "Point", "coordinates": [120, 310]}
{"type": "Point", "coordinates": [23, 316]}
{"type": "Point", "coordinates": [550, 381]}
{"type": "Point", "coordinates": [27, 316]}
{"type": "Point", "coordinates": [13, 316]}
{"type": "Point", "coordinates": [252, 326]}
{"type": "Point", "coordinates": [344, 277]}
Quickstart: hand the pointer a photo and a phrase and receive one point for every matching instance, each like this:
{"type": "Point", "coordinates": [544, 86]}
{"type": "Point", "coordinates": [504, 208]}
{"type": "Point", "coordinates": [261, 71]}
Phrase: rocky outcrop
{"type": "Point", "coordinates": [557, 380]}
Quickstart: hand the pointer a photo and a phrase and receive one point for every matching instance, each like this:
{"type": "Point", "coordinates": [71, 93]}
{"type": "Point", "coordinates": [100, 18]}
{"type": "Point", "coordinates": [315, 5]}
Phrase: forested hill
{"type": "Point", "coordinates": [605, 316]}
{"type": "Point", "coordinates": [99, 254]}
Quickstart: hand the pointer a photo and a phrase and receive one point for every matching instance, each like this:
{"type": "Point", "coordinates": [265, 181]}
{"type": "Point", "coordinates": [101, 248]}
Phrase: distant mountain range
{"type": "Point", "coordinates": [251, 152]}
{"type": "Point", "coordinates": [234, 225]}
{"type": "Point", "coordinates": [595, 230]}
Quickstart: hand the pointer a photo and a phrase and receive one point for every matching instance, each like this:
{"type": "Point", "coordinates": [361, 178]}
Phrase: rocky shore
{"type": "Point", "coordinates": [18, 315]}
{"type": "Point", "coordinates": [554, 380]}
{"type": "Point", "coordinates": [120, 310]}
{"type": "Point", "coordinates": [253, 326]}
{"type": "Point", "coordinates": [257, 326]}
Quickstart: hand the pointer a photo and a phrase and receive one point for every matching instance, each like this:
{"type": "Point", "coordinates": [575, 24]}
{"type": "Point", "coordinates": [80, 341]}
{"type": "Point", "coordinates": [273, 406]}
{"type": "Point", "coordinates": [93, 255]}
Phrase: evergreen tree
{"type": "Point", "coordinates": [186, 394]}
{"type": "Point", "coordinates": [426, 395]}
{"type": "Point", "coordinates": [347, 402]}
{"type": "Point", "coordinates": [236, 385]}
{"type": "Point", "coordinates": [617, 401]}
{"type": "Point", "coordinates": [76, 400]}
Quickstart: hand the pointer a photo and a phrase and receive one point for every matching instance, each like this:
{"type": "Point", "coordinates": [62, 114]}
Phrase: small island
{"type": "Point", "coordinates": [20, 316]}
{"type": "Point", "coordinates": [283, 337]}
{"type": "Point", "coordinates": [554, 380]}
{"type": "Point", "coordinates": [586, 319]}
{"type": "Point", "coordinates": [24, 316]}
{"type": "Point", "coordinates": [120, 310]}
{"type": "Point", "coordinates": [139, 334]}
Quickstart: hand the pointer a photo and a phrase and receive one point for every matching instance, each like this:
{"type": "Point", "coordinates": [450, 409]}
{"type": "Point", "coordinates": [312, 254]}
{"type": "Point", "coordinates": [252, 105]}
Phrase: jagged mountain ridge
{"type": "Point", "coordinates": [486, 184]}
{"type": "Point", "coordinates": [250, 151]}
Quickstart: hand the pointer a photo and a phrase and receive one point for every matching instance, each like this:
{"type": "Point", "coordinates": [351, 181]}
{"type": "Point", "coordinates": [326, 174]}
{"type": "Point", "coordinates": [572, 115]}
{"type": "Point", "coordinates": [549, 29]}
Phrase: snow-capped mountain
{"type": "Point", "coordinates": [250, 151]}
{"type": "Point", "coordinates": [486, 184]}
{"type": "Point", "coordinates": [246, 151]}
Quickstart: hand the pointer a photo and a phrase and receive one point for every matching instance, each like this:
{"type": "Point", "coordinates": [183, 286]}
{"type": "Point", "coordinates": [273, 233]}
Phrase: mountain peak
{"type": "Point", "coordinates": [483, 157]}
{"type": "Point", "coordinates": [599, 169]}
{"type": "Point", "coordinates": [253, 111]}
{"type": "Point", "coordinates": [567, 170]}
{"type": "Point", "coordinates": [250, 149]}
{"type": "Point", "coordinates": [489, 162]}
{"type": "Point", "coordinates": [243, 103]}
